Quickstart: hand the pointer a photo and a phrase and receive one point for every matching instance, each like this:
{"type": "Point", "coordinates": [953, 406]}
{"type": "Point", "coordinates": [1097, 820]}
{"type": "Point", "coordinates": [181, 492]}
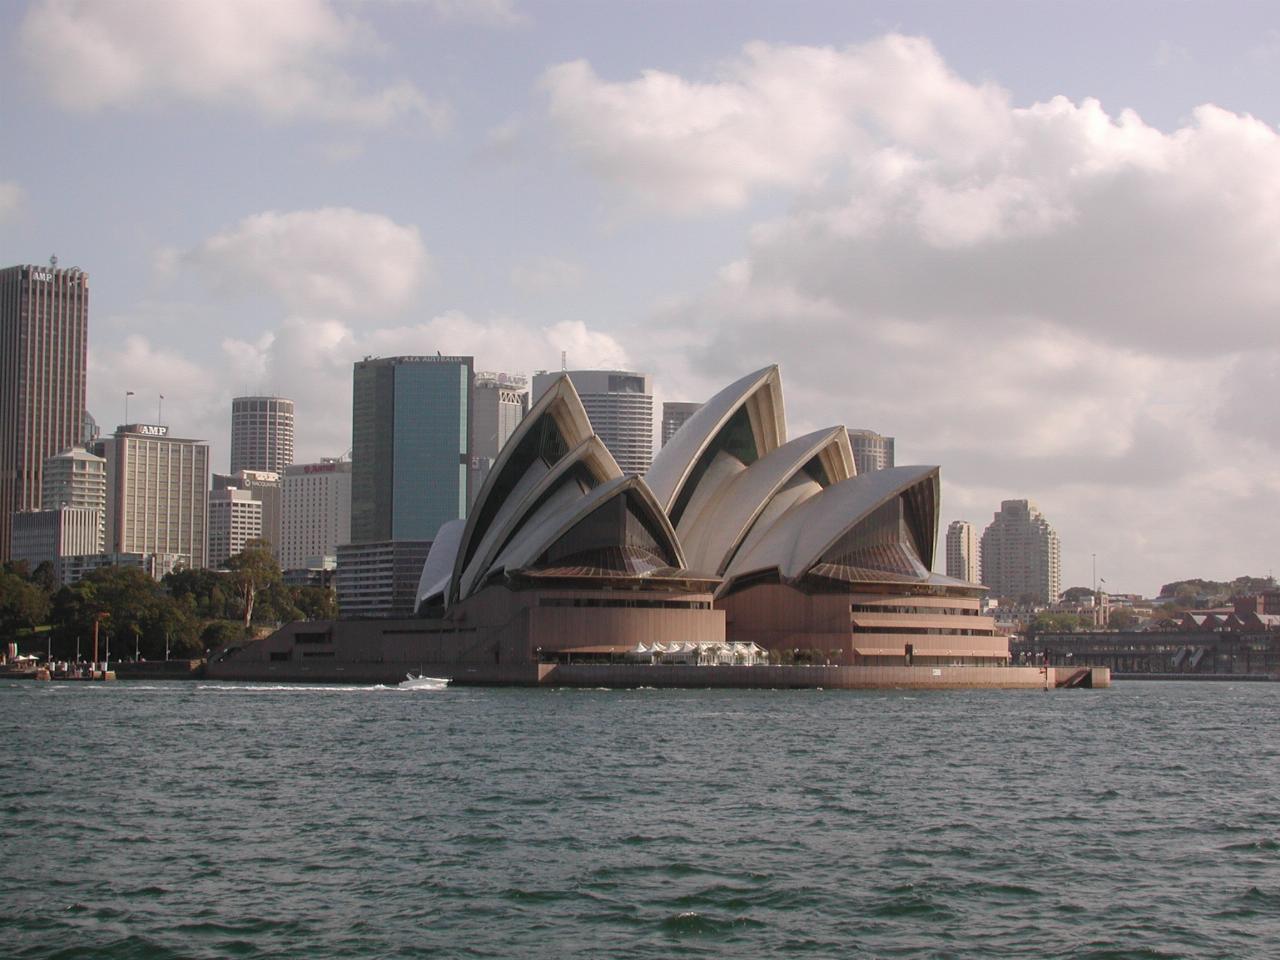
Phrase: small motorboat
{"type": "Point", "coordinates": [413, 681]}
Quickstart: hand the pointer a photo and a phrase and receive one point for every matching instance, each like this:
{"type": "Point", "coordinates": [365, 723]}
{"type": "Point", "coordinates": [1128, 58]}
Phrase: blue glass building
{"type": "Point", "coordinates": [410, 446]}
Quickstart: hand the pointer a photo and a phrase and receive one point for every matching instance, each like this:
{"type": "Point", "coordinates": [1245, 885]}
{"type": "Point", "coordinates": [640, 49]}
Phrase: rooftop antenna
{"type": "Point", "coordinates": [53, 261]}
{"type": "Point", "coordinates": [564, 360]}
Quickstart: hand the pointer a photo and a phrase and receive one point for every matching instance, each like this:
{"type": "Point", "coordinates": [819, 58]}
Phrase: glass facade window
{"type": "Point", "coordinates": [411, 446]}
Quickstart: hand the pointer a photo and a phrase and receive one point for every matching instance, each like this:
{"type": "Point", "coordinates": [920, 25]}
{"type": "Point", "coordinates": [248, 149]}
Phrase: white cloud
{"type": "Point", "coordinates": [546, 275]}
{"type": "Point", "coordinates": [11, 196]}
{"type": "Point", "coordinates": [309, 359]}
{"type": "Point", "coordinates": [492, 13]}
{"type": "Point", "coordinates": [330, 260]}
{"type": "Point", "coordinates": [286, 59]}
{"type": "Point", "coordinates": [191, 390]}
{"type": "Point", "coordinates": [1050, 301]}
{"type": "Point", "coordinates": [924, 196]}
{"type": "Point", "coordinates": [778, 116]}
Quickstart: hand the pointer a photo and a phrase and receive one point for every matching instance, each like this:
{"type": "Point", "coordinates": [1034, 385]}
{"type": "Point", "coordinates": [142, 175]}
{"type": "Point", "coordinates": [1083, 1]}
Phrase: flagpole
{"type": "Point", "coordinates": [160, 409]}
{"type": "Point", "coordinates": [127, 395]}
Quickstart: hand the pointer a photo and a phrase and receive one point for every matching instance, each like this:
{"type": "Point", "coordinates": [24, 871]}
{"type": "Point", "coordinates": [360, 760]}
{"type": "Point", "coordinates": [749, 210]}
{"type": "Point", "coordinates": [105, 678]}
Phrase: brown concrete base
{"type": "Point", "coordinates": [636, 675]}
{"type": "Point", "coordinates": [805, 677]}
{"type": "Point", "coordinates": [160, 670]}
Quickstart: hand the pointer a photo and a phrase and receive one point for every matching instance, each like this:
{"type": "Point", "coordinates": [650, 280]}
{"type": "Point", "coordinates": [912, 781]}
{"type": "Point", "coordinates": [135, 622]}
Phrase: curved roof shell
{"type": "Point", "coordinates": [752, 403]}
{"type": "Point", "coordinates": [588, 464]}
{"type": "Point", "coordinates": [543, 531]}
{"type": "Point", "coordinates": [555, 425]}
{"type": "Point", "coordinates": [805, 533]}
{"type": "Point", "coordinates": [438, 569]}
{"type": "Point", "coordinates": [712, 535]}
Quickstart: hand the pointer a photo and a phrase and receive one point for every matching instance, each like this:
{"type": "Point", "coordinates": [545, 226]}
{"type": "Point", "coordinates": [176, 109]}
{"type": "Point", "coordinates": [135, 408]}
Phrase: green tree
{"type": "Point", "coordinates": [1076, 594]}
{"type": "Point", "coordinates": [1050, 622]}
{"type": "Point", "coordinates": [316, 603]}
{"type": "Point", "coordinates": [1122, 618]}
{"type": "Point", "coordinates": [140, 613]}
{"type": "Point", "coordinates": [253, 569]}
{"type": "Point", "coordinates": [207, 591]}
{"type": "Point", "coordinates": [220, 633]}
{"type": "Point", "coordinates": [46, 578]}
{"type": "Point", "coordinates": [22, 605]}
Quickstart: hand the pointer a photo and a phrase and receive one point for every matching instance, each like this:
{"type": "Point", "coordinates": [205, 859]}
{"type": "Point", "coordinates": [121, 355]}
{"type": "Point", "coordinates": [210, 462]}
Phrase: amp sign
{"type": "Point", "coordinates": [43, 275]}
{"type": "Point", "coordinates": [151, 430]}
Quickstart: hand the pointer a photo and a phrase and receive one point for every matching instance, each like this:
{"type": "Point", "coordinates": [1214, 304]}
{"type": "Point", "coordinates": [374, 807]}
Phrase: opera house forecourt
{"type": "Point", "coordinates": [742, 558]}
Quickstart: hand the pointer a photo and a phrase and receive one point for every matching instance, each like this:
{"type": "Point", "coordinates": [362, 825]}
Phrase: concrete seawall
{"type": "Point", "coordinates": [639, 675]}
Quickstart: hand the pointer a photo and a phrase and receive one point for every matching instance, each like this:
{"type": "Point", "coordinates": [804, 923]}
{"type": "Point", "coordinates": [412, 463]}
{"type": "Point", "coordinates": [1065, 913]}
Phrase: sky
{"type": "Point", "coordinates": [1037, 243]}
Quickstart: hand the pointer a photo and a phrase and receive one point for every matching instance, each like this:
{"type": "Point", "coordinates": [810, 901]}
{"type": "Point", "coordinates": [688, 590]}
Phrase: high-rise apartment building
{"type": "Point", "coordinates": [261, 433]}
{"type": "Point", "coordinates": [1021, 555]}
{"type": "Point", "coordinates": [501, 401]}
{"type": "Point", "coordinates": [410, 446]}
{"type": "Point", "coordinates": [44, 334]}
{"type": "Point", "coordinates": [265, 487]}
{"type": "Point", "coordinates": [41, 536]}
{"type": "Point", "coordinates": [235, 518]}
{"type": "Point", "coordinates": [77, 478]}
{"type": "Point", "coordinates": [674, 414]}
{"type": "Point", "coordinates": [619, 404]}
{"type": "Point", "coordinates": [962, 552]}
{"type": "Point", "coordinates": [871, 451]}
{"type": "Point", "coordinates": [157, 493]}
{"type": "Point", "coordinates": [316, 510]}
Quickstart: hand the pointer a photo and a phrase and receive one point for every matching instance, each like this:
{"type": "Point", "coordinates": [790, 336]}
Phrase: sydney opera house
{"type": "Point", "coordinates": [736, 534]}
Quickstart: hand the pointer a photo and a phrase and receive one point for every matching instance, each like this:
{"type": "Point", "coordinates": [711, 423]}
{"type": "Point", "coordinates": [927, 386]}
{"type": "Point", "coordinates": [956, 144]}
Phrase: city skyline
{"type": "Point", "coordinates": [501, 180]}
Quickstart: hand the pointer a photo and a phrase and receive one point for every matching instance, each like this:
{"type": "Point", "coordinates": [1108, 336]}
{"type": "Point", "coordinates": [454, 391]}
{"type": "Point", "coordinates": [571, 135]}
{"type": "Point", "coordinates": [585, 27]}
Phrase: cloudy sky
{"type": "Point", "coordinates": [1036, 242]}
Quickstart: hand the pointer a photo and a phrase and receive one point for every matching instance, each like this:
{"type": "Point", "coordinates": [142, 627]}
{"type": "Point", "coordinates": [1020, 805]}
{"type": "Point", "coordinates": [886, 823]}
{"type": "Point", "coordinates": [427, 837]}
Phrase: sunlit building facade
{"type": "Point", "coordinates": [1021, 554]}
{"type": "Point", "coordinates": [44, 336]}
{"type": "Point", "coordinates": [963, 552]}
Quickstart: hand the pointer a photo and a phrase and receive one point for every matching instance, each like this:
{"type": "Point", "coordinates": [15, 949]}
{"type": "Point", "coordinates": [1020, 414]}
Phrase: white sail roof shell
{"type": "Point", "coordinates": [591, 453]}
{"type": "Point", "coordinates": [561, 402]}
{"type": "Point", "coordinates": [712, 534]}
{"type": "Point", "coordinates": [542, 531]}
{"type": "Point", "coordinates": [675, 461]}
{"type": "Point", "coordinates": [804, 533]}
{"type": "Point", "coordinates": [438, 569]}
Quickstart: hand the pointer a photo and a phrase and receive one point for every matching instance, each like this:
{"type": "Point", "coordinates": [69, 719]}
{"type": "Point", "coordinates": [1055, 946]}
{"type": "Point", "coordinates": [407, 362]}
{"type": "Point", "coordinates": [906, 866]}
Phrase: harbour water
{"type": "Point", "coordinates": [218, 820]}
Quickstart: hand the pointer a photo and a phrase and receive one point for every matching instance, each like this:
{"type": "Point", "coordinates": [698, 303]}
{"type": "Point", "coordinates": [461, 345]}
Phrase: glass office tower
{"type": "Point", "coordinates": [410, 446]}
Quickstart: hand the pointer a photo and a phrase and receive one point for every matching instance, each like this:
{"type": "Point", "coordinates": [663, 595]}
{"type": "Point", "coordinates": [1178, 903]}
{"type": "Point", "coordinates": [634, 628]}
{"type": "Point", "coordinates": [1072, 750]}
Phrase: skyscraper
{"type": "Point", "coordinates": [501, 401]}
{"type": "Point", "coordinates": [674, 414]}
{"type": "Point", "coordinates": [44, 333]}
{"type": "Point", "coordinates": [410, 446]}
{"type": "Point", "coordinates": [157, 493]}
{"type": "Point", "coordinates": [871, 451]}
{"type": "Point", "coordinates": [261, 433]}
{"type": "Point", "coordinates": [317, 513]}
{"type": "Point", "coordinates": [77, 478]}
{"type": "Point", "coordinates": [1021, 555]}
{"type": "Point", "coordinates": [235, 518]}
{"type": "Point", "coordinates": [620, 405]}
{"type": "Point", "coordinates": [265, 487]}
{"type": "Point", "coordinates": [962, 551]}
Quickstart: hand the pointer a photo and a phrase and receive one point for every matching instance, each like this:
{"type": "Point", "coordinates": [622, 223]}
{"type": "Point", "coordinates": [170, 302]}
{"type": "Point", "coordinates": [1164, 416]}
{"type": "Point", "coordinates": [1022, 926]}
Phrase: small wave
{"type": "Point", "coordinates": [289, 688]}
{"type": "Point", "coordinates": [1264, 844]}
{"type": "Point", "coordinates": [690, 923]}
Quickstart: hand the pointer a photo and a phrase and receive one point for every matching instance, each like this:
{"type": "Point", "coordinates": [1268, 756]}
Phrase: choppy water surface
{"type": "Point", "coordinates": [205, 820]}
